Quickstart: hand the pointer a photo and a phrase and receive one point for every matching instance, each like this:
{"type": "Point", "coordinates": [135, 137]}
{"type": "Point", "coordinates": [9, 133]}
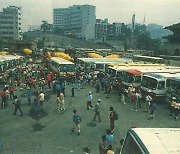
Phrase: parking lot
{"type": "Point", "coordinates": [51, 131]}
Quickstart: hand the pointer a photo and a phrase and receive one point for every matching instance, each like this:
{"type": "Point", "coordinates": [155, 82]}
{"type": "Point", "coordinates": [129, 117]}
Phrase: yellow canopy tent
{"type": "Point", "coordinates": [27, 51]}
{"type": "Point", "coordinates": [63, 55]}
{"type": "Point", "coordinates": [4, 53]}
{"type": "Point", "coordinates": [113, 56]}
{"type": "Point", "coordinates": [94, 55]}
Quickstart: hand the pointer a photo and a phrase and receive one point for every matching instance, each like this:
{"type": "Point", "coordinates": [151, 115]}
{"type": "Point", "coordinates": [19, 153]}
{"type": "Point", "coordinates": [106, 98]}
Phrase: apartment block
{"type": "Point", "coordinates": [10, 23]}
{"type": "Point", "coordinates": [76, 21]}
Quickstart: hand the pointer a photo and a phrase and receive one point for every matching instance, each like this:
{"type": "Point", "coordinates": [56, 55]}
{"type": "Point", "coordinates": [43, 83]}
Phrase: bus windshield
{"type": "Point", "coordinates": [131, 146]}
{"type": "Point", "coordinates": [173, 84]}
{"type": "Point", "coordinates": [128, 77]}
{"type": "Point", "coordinates": [111, 72]}
{"type": "Point", "coordinates": [148, 82]}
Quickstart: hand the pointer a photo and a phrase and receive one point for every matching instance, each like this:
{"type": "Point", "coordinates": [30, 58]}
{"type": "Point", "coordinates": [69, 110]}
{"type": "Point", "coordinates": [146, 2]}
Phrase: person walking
{"type": "Point", "coordinates": [61, 97]}
{"type": "Point", "coordinates": [58, 88]}
{"type": "Point", "coordinates": [72, 89]}
{"type": "Point", "coordinates": [17, 105]}
{"type": "Point", "coordinates": [103, 145]}
{"type": "Point", "coordinates": [134, 99]}
{"type": "Point", "coordinates": [41, 99]}
{"type": "Point", "coordinates": [147, 101]}
{"type": "Point", "coordinates": [109, 138]}
{"type": "Point", "coordinates": [4, 96]}
{"type": "Point", "coordinates": [79, 84]}
{"type": "Point", "coordinates": [89, 100]}
{"type": "Point", "coordinates": [11, 92]}
{"type": "Point", "coordinates": [36, 104]}
{"type": "Point", "coordinates": [49, 79]}
{"type": "Point", "coordinates": [123, 95]}
{"type": "Point", "coordinates": [152, 108]}
{"type": "Point", "coordinates": [111, 117]}
{"type": "Point", "coordinates": [97, 111]}
{"type": "Point", "coordinates": [76, 121]}
{"type": "Point", "coordinates": [58, 102]}
{"type": "Point", "coordinates": [29, 95]}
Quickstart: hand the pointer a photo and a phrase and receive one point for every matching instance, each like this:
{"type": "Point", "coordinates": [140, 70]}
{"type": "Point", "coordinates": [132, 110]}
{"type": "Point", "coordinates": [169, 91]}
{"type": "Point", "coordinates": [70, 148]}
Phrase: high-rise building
{"type": "Point", "coordinates": [101, 28]}
{"type": "Point", "coordinates": [10, 23]}
{"type": "Point", "coordinates": [77, 21]}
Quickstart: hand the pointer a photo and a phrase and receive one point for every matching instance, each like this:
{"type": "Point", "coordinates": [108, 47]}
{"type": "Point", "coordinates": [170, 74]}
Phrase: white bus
{"type": "Point", "coordinates": [156, 83]}
{"type": "Point", "coordinates": [116, 71]}
{"type": "Point", "coordinates": [134, 75]}
{"type": "Point", "coordinates": [62, 66]}
{"type": "Point", "coordinates": [101, 63]}
{"type": "Point", "coordinates": [148, 59]}
{"type": "Point", "coordinates": [10, 62]}
{"type": "Point", "coordinates": [151, 141]}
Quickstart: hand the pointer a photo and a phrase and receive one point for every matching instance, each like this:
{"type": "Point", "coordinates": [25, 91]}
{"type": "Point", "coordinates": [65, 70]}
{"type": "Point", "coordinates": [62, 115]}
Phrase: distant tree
{"type": "Point", "coordinates": [45, 26]}
{"type": "Point", "coordinates": [40, 44]}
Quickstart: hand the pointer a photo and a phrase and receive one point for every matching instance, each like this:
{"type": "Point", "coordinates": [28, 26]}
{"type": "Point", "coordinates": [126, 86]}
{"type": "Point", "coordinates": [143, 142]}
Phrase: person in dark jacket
{"type": "Point", "coordinates": [152, 108]}
{"type": "Point", "coordinates": [17, 105]}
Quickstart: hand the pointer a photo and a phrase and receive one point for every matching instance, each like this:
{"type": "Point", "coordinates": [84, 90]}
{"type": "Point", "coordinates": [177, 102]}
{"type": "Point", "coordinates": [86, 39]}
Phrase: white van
{"type": "Point", "coordinates": [152, 141]}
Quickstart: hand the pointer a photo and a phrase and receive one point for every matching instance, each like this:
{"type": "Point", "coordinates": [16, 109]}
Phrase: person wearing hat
{"type": "Point", "coordinates": [97, 111]}
{"type": "Point", "coordinates": [89, 101]}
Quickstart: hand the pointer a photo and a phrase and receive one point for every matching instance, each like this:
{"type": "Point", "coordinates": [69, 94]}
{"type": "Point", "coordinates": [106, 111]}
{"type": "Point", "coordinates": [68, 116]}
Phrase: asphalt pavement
{"type": "Point", "coordinates": [50, 132]}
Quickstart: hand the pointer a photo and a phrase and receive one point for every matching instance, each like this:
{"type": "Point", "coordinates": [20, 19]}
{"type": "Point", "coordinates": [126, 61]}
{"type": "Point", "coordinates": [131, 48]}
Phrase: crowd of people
{"type": "Point", "coordinates": [34, 79]}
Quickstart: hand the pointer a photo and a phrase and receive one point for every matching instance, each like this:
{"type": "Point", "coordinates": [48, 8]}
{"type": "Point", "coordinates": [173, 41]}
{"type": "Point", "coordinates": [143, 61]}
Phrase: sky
{"type": "Point", "coordinates": [162, 12]}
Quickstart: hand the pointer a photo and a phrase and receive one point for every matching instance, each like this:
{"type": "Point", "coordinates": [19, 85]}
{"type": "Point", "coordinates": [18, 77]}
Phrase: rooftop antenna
{"type": "Point", "coordinates": [144, 21]}
{"type": "Point", "coordinates": [133, 22]}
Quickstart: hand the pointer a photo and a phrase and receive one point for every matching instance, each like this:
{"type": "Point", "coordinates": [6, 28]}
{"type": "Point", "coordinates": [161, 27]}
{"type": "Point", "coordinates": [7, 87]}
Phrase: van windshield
{"type": "Point", "coordinates": [130, 146]}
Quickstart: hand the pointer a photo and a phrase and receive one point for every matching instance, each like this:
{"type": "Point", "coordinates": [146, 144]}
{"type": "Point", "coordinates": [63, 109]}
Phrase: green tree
{"type": "Point", "coordinates": [45, 26]}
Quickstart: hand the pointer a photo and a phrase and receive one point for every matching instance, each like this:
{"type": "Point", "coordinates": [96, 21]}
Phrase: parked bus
{"type": "Point", "coordinates": [62, 66]}
{"type": "Point", "coordinates": [116, 70]}
{"type": "Point", "coordinates": [151, 141]}
{"type": "Point", "coordinates": [10, 62]}
{"type": "Point", "coordinates": [132, 77]}
{"type": "Point", "coordinates": [101, 63]}
{"type": "Point", "coordinates": [148, 59]}
{"type": "Point", "coordinates": [156, 83]}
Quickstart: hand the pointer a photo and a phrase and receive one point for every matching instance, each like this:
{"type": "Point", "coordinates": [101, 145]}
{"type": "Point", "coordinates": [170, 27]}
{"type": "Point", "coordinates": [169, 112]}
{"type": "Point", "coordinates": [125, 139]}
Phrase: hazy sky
{"type": "Point", "coordinates": [163, 12]}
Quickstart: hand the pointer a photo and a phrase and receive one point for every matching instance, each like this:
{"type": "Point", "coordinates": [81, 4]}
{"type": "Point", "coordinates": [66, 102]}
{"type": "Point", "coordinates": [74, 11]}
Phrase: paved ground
{"type": "Point", "coordinates": [51, 133]}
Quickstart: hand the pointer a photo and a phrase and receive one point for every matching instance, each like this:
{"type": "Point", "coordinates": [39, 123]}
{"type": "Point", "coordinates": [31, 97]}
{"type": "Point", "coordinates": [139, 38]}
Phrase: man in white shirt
{"type": "Point", "coordinates": [89, 101]}
{"type": "Point", "coordinates": [41, 99]}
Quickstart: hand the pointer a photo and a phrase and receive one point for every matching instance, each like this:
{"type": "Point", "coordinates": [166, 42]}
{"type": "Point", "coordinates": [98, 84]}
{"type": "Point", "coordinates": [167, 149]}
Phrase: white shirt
{"type": "Point", "coordinates": [41, 96]}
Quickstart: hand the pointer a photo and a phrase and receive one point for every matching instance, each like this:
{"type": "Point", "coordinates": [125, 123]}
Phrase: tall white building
{"type": "Point", "coordinates": [10, 23]}
{"type": "Point", "coordinates": [77, 20]}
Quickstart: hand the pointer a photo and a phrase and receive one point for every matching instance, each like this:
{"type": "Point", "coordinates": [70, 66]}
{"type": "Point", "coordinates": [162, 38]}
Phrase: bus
{"type": "Point", "coordinates": [148, 59]}
{"type": "Point", "coordinates": [156, 83]}
{"type": "Point", "coordinates": [62, 66]}
{"type": "Point", "coordinates": [151, 141]}
{"type": "Point", "coordinates": [10, 62]}
{"type": "Point", "coordinates": [116, 70]}
{"type": "Point", "coordinates": [101, 63]}
{"type": "Point", "coordinates": [132, 77]}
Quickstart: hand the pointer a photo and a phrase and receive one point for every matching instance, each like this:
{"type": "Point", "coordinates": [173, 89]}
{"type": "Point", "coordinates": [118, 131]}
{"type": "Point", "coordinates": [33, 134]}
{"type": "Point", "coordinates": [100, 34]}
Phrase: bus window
{"type": "Point", "coordinates": [131, 146]}
{"type": "Point", "coordinates": [161, 85]}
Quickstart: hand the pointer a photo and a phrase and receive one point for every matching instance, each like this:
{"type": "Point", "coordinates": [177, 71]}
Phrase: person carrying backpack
{"type": "Point", "coordinates": [76, 121]}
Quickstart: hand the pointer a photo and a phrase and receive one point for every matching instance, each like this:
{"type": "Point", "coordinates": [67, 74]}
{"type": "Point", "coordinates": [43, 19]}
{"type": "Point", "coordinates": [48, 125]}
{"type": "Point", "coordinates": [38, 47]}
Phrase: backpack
{"type": "Point", "coordinates": [115, 115]}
